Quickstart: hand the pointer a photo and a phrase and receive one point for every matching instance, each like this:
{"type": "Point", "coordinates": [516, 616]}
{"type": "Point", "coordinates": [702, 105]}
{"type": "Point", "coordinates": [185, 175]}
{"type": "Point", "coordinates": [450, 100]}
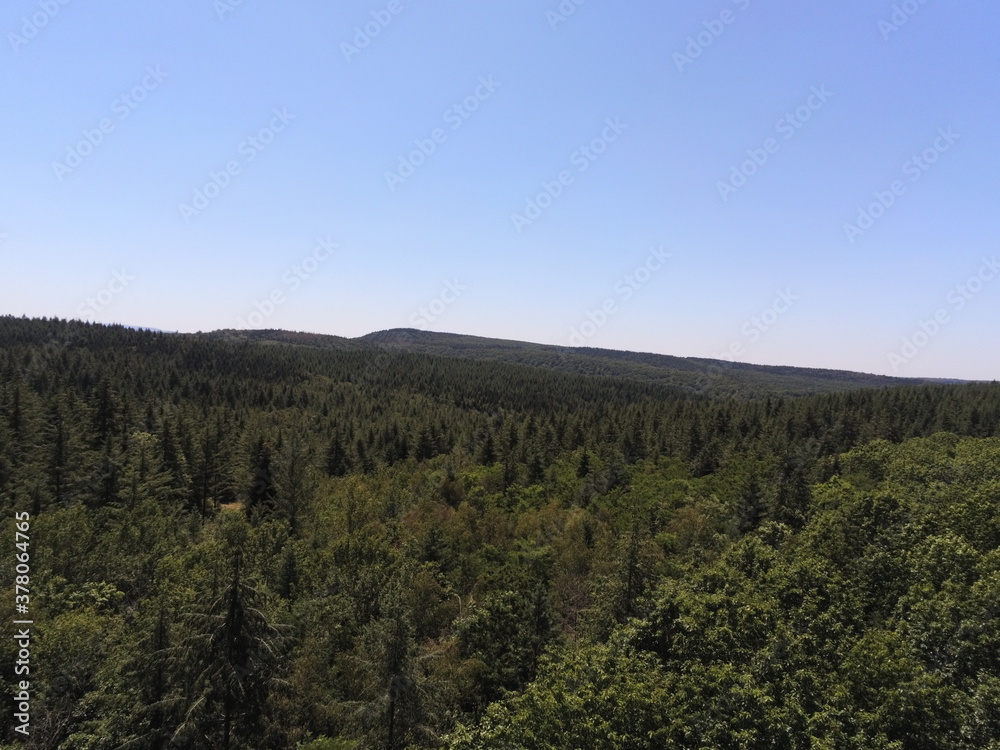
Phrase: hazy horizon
{"type": "Point", "coordinates": [798, 186]}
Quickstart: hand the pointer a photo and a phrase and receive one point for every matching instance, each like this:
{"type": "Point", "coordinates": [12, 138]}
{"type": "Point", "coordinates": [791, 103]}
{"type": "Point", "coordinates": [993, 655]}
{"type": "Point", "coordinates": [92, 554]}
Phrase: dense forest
{"type": "Point", "coordinates": [717, 378]}
{"type": "Point", "coordinates": [269, 541]}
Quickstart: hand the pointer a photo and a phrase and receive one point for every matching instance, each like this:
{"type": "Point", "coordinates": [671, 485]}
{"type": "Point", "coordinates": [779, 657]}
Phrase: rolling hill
{"type": "Point", "coordinates": [708, 377]}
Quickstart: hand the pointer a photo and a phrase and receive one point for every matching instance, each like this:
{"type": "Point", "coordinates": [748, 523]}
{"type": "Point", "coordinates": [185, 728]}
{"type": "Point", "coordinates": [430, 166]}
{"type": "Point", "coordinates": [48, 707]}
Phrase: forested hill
{"type": "Point", "coordinates": [693, 375]}
{"type": "Point", "coordinates": [273, 542]}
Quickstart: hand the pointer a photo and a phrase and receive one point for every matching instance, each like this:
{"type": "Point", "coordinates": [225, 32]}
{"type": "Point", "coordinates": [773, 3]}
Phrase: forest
{"type": "Point", "coordinates": [267, 540]}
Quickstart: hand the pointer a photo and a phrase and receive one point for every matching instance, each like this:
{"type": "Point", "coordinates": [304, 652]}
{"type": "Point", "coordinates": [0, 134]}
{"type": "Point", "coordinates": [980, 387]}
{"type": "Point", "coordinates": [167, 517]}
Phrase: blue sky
{"type": "Point", "coordinates": [810, 184]}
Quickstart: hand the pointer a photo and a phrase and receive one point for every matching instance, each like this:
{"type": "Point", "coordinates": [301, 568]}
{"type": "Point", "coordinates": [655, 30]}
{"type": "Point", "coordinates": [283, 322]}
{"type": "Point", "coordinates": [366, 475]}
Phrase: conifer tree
{"type": "Point", "coordinates": [262, 490]}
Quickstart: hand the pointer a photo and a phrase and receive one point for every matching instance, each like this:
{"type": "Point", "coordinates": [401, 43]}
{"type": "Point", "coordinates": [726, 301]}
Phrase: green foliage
{"type": "Point", "coordinates": [271, 541]}
{"type": "Point", "coordinates": [326, 743]}
{"type": "Point", "coordinates": [591, 696]}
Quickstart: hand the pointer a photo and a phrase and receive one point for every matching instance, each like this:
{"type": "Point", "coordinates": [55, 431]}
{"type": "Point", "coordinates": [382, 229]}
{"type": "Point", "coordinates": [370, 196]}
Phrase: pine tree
{"type": "Point", "coordinates": [233, 656]}
{"type": "Point", "coordinates": [262, 491]}
{"type": "Point", "coordinates": [337, 459]}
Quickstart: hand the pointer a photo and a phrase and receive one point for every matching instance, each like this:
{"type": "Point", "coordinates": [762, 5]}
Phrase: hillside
{"type": "Point", "coordinates": [692, 375]}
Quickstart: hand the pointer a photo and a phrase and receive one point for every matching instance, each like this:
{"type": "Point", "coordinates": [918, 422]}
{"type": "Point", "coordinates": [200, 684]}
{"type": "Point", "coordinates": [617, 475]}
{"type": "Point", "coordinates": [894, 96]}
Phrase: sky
{"type": "Point", "coordinates": [810, 184]}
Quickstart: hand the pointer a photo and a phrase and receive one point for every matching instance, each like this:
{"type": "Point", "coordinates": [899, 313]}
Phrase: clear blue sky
{"type": "Point", "coordinates": [633, 115]}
